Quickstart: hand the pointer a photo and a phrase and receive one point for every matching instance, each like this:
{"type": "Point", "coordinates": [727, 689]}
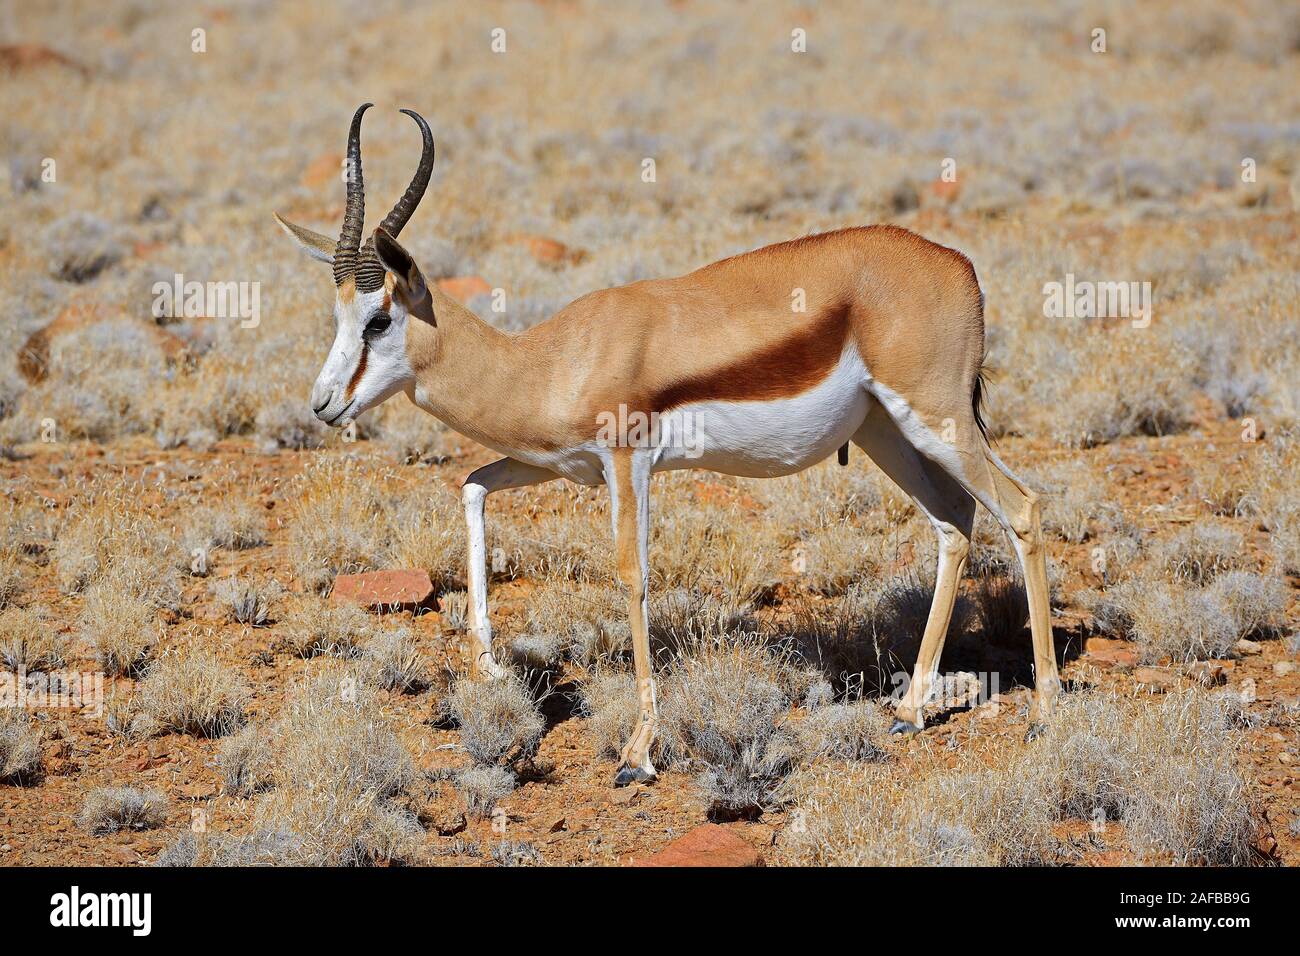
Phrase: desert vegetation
{"type": "Point", "coordinates": [176, 518]}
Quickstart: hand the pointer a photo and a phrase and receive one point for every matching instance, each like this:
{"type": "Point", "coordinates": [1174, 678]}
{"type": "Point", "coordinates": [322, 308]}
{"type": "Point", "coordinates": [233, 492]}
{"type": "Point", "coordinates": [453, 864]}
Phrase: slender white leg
{"type": "Point", "coordinates": [628, 475]}
{"type": "Point", "coordinates": [506, 473]}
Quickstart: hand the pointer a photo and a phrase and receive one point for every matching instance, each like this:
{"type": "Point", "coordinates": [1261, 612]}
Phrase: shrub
{"type": "Point", "coordinates": [122, 629]}
{"type": "Point", "coordinates": [499, 720]}
{"type": "Point", "coordinates": [396, 663]}
{"type": "Point", "coordinates": [109, 809]}
{"type": "Point", "coordinates": [317, 627]}
{"type": "Point", "coordinates": [482, 787]}
{"type": "Point", "coordinates": [609, 702]}
{"type": "Point", "coordinates": [20, 747]}
{"type": "Point", "coordinates": [29, 640]}
{"type": "Point", "coordinates": [724, 710]}
{"type": "Point", "coordinates": [191, 692]}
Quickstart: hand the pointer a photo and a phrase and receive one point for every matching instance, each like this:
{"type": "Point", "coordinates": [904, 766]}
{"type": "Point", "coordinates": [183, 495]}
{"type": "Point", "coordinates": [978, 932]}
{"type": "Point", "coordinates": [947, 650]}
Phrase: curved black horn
{"type": "Point", "coordinates": [402, 212]}
{"type": "Point", "coordinates": [345, 253]}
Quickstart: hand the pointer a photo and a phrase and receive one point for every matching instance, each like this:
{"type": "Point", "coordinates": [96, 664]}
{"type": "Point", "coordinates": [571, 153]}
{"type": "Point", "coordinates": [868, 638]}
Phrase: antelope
{"type": "Point", "coordinates": [887, 354]}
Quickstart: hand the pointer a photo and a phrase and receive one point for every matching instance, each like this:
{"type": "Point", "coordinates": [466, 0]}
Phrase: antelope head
{"type": "Point", "coordinates": [379, 291]}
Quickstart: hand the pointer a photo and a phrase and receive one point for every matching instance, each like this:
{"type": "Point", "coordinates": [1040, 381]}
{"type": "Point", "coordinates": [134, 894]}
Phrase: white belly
{"type": "Point", "coordinates": [752, 439]}
{"type": "Point", "coordinates": [765, 439]}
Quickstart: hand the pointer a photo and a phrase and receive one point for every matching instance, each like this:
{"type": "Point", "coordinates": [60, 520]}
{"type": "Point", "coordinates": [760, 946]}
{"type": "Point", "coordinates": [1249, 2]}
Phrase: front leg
{"type": "Point", "coordinates": [628, 476]}
{"type": "Point", "coordinates": [506, 473]}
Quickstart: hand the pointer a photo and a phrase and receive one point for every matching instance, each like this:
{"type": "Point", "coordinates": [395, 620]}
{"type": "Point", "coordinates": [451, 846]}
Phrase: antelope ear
{"type": "Point", "coordinates": [317, 246]}
{"type": "Point", "coordinates": [410, 281]}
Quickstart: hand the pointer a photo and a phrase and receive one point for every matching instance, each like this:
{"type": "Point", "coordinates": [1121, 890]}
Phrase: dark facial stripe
{"type": "Point", "coordinates": [356, 376]}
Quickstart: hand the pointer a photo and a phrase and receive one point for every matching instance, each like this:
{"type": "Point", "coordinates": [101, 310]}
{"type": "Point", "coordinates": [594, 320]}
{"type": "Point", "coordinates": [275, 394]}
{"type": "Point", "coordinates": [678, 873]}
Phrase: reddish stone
{"type": "Point", "coordinates": [384, 590]}
{"type": "Point", "coordinates": [1158, 678]}
{"type": "Point", "coordinates": [17, 57]}
{"type": "Point", "coordinates": [324, 169]}
{"type": "Point", "coordinates": [550, 252]}
{"type": "Point", "coordinates": [1103, 650]}
{"type": "Point", "coordinates": [464, 288]}
{"type": "Point", "coordinates": [945, 191]}
{"type": "Point", "coordinates": [707, 845]}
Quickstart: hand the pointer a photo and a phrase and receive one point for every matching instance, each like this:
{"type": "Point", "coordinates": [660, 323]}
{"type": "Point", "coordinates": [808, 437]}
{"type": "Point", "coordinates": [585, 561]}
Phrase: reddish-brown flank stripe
{"type": "Point", "coordinates": [781, 370]}
{"type": "Point", "coordinates": [356, 376]}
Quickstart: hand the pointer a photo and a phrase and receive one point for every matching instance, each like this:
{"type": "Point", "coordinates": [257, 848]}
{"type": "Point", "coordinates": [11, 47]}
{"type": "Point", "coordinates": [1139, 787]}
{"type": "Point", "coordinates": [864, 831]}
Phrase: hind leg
{"type": "Point", "coordinates": [1020, 506]}
{"type": "Point", "coordinates": [951, 512]}
{"type": "Point", "coordinates": [969, 460]}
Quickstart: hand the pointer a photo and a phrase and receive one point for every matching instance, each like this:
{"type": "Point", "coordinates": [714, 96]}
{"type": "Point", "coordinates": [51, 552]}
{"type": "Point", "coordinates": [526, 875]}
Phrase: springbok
{"type": "Point", "coordinates": [886, 354]}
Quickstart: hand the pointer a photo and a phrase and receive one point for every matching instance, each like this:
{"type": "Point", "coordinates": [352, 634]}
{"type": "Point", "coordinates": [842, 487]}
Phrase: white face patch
{"type": "Point", "coordinates": [367, 362]}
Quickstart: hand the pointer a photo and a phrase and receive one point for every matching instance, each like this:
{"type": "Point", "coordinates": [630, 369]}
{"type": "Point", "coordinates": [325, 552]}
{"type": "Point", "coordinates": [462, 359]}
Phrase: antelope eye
{"type": "Point", "coordinates": [378, 323]}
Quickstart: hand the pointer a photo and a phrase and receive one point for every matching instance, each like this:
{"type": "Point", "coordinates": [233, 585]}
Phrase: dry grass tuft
{"type": "Point", "coordinates": [481, 788]}
{"type": "Point", "coordinates": [189, 691]}
{"type": "Point", "coordinates": [260, 848]}
{"type": "Point", "coordinates": [20, 747]}
{"type": "Point", "coordinates": [1200, 553]}
{"type": "Point", "coordinates": [236, 526]}
{"type": "Point", "coordinates": [1167, 771]}
{"type": "Point", "coordinates": [608, 700]}
{"type": "Point", "coordinates": [499, 719]}
{"type": "Point", "coordinates": [13, 575]}
{"type": "Point", "coordinates": [247, 760]}
{"type": "Point", "coordinates": [396, 663]}
{"type": "Point", "coordinates": [1171, 620]}
{"type": "Point", "coordinates": [454, 612]}
{"type": "Point", "coordinates": [110, 809]}
{"type": "Point", "coordinates": [327, 775]}
{"type": "Point", "coordinates": [516, 853]}
{"type": "Point", "coordinates": [724, 709]}
{"type": "Point", "coordinates": [122, 629]}
{"type": "Point", "coordinates": [28, 639]}
{"type": "Point", "coordinates": [248, 602]}
{"type": "Point", "coordinates": [317, 627]}
{"type": "Point", "coordinates": [844, 732]}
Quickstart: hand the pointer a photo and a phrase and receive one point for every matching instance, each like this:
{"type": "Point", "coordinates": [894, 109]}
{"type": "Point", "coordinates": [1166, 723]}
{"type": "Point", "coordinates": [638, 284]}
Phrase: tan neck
{"type": "Point", "coordinates": [477, 379]}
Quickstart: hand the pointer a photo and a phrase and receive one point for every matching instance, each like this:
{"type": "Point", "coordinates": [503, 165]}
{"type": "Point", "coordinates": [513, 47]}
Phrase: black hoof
{"type": "Point", "coordinates": [628, 775]}
{"type": "Point", "coordinates": [1035, 731]}
{"type": "Point", "coordinates": [904, 727]}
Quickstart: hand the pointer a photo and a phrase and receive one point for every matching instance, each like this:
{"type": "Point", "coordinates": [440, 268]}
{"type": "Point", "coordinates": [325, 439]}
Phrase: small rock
{"type": "Point", "coordinates": [1248, 648]}
{"type": "Point", "coordinates": [451, 823]}
{"type": "Point", "coordinates": [19, 57]}
{"type": "Point", "coordinates": [382, 591]}
{"type": "Point", "coordinates": [325, 168]}
{"type": "Point", "coordinates": [556, 825]}
{"type": "Point", "coordinates": [1104, 650]}
{"type": "Point", "coordinates": [625, 795]}
{"type": "Point", "coordinates": [464, 288]}
{"type": "Point", "coordinates": [1157, 678]}
{"type": "Point", "coordinates": [707, 845]}
{"type": "Point", "coordinates": [945, 191]}
{"type": "Point", "coordinates": [547, 251]}
{"type": "Point", "coordinates": [1282, 668]}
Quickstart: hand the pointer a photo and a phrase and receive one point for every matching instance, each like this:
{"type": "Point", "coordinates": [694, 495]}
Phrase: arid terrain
{"type": "Point", "coordinates": [176, 518]}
